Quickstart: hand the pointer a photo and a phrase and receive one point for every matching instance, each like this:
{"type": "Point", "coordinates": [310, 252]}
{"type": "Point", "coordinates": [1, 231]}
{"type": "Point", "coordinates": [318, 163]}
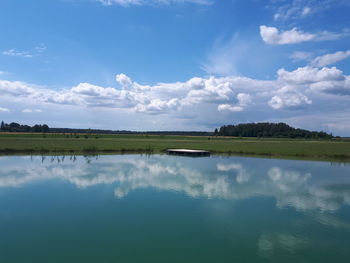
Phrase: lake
{"type": "Point", "coordinates": [158, 208]}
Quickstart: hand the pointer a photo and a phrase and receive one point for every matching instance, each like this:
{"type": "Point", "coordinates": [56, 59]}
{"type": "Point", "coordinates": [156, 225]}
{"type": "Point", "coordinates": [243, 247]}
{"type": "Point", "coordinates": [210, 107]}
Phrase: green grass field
{"type": "Point", "coordinates": [31, 143]}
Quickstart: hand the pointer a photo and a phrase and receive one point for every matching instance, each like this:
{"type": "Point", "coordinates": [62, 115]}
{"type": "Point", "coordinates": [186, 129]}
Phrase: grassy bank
{"type": "Point", "coordinates": [16, 143]}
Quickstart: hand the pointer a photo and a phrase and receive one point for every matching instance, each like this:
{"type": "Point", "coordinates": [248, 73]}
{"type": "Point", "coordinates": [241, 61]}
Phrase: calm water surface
{"type": "Point", "coordinates": [132, 208]}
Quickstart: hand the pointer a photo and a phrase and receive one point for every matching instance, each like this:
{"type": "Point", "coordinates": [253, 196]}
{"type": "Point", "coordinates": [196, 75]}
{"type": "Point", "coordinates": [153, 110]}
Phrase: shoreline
{"type": "Point", "coordinates": [97, 144]}
{"type": "Point", "coordinates": [320, 158]}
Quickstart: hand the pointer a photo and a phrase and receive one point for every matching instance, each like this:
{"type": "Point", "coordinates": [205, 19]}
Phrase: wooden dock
{"type": "Point", "coordinates": [187, 152]}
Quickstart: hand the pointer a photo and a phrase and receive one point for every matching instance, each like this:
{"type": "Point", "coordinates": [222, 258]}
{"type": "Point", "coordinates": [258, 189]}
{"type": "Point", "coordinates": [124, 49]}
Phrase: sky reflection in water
{"type": "Point", "coordinates": [281, 209]}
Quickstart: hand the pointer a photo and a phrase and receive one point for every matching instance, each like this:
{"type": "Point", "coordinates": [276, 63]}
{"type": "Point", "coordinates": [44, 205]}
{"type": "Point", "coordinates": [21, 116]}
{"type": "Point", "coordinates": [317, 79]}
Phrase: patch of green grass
{"type": "Point", "coordinates": [12, 143]}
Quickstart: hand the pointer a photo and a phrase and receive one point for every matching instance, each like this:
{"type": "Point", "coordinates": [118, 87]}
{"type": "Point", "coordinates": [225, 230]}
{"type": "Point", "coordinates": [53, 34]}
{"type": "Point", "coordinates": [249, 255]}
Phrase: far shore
{"type": "Point", "coordinates": [99, 144]}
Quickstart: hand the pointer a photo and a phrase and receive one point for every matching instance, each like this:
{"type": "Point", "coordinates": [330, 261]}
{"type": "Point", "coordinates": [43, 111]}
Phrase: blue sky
{"type": "Point", "coordinates": [175, 64]}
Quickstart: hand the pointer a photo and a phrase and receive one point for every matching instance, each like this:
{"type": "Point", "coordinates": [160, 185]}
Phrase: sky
{"type": "Point", "coordinates": [190, 65]}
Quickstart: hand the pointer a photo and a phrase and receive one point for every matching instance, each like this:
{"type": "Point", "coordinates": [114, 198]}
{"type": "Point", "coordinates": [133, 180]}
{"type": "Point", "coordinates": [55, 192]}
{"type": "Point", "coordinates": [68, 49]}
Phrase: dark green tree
{"type": "Point", "coordinates": [45, 128]}
{"type": "Point", "coordinates": [280, 130]}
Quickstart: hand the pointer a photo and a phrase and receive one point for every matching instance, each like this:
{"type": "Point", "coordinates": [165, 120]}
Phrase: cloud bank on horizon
{"type": "Point", "coordinates": [281, 69]}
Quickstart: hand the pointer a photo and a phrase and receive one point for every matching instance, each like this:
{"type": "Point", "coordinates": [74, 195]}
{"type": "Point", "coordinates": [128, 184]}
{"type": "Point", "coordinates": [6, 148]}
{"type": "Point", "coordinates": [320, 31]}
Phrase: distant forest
{"type": "Point", "coordinates": [16, 127]}
{"type": "Point", "coordinates": [265, 129]}
{"type": "Point", "coordinates": [279, 130]}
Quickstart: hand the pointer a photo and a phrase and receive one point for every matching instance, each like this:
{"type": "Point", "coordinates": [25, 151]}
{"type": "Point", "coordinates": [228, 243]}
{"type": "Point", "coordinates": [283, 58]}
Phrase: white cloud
{"type": "Point", "coordinates": [126, 3]}
{"type": "Point", "coordinates": [243, 101]}
{"type": "Point", "coordinates": [288, 97]}
{"type": "Point", "coordinates": [4, 109]}
{"type": "Point", "coordinates": [320, 61]}
{"type": "Point", "coordinates": [123, 80]}
{"type": "Point", "coordinates": [299, 9]}
{"type": "Point", "coordinates": [271, 35]}
{"type": "Point", "coordinates": [309, 75]}
{"type": "Point", "coordinates": [341, 87]}
{"type": "Point", "coordinates": [197, 102]}
{"type": "Point", "coordinates": [234, 94]}
{"type": "Point", "coordinates": [329, 59]}
{"type": "Point", "coordinates": [31, 111]}
{"type": "Point", "coordinates": [295, 9]}
{"type": "Point", "coordinates": [229, 107]}
{"type": "Point", "coordinates": [16, 53]}
{"type": "Point", "coordinates": [17, 89]}
{"type": "Point", "coordinates": [324, 80]}
{"type": "Point", "coordinates": [162, 98]}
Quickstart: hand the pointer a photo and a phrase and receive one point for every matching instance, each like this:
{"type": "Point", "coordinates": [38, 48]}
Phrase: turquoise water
{"type": "Point", "coordinates": [133, 208]}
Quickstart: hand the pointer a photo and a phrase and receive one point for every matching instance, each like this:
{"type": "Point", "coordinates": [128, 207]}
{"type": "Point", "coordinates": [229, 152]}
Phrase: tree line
{"type": "Point", "coordinates": [16, 127]}
{"type": "Point", "coordinates": [266, 129]}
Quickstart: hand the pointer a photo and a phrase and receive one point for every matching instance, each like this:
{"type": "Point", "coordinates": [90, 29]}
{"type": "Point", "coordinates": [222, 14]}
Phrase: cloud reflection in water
{"type": "Point", "coordinates": [220, 178]}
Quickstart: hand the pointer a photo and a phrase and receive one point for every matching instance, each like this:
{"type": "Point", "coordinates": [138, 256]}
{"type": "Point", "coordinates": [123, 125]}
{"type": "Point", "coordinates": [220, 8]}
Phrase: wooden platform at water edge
{"type": "Point", "coordinates": [187, 152]}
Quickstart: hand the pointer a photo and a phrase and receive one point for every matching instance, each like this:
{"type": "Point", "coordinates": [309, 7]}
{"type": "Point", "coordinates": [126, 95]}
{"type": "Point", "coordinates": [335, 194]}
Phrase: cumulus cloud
{"type": "Point", "coordinates": [124, 80]}
{"type": "Point", "coordinates": [16, 88]}
{"type": "Point", "coordinates": [174, 96]}
{"type": "Point", "coordinates": [243, 101]}
{"type": "Point", "coordinates": [158, 98]}
{"type": "Point", "coordinates": [271, 35]}
{"type": "Point", "coordinates": [288, 97]}
{"type": "Point", "coordinates": [199, 103]}
{"type": "Point", "coordinates": [341, 87]}
{"type": "Point", "coordinates": [329, 59]}
{"type": "Point", "coordinates": [291, 90]}
{"type": "Point", "coordinates": [324, 80]}
{"type": "Point", "coordinates": [126, 3]}
{"type": "Point", "coordinates": [229, 107]}
{"type": "Point", "coordinates": [308, 75]}
{"type": "Point", "coordinates": [132, 95]}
